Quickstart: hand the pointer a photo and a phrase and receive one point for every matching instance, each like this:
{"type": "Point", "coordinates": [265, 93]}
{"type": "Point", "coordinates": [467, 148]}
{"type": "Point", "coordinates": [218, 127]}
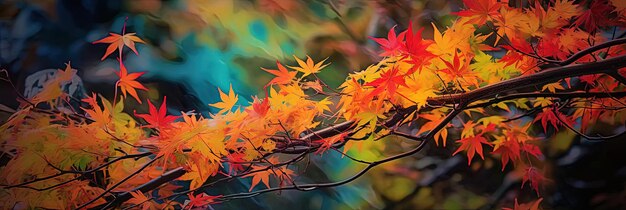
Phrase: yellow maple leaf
{"type": "Point", "coordinates": [228, 101]}
{"type": "Point", "coordinates": [309, 67]}
{"type": "Point", "coordinates": [496, 120]}
{"type": "Point", "coordinates": [552, 87]}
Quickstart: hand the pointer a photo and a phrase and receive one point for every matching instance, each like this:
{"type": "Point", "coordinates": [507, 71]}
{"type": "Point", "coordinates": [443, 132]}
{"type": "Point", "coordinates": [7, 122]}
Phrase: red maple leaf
{"type": "Point", "coordinates": [526, 206]}
{"type": "Point", "coordinates": [259, 109]}
{"type": "Point", "coordinates": [509, 150]}
{"type": "Point", "coordinates": [532, 149]}
{"type": "Point", "coordinates": [200, 200]}
{"type": "Point", "coordinates": [329, 142]}
{"type": "Point", "coordinates": [235, 161]}
{"type": "Point", "coordinates": [389, 81]}
{"type": "Point", "coordinates": [456, 69]}
{"type": "Point", "coordinates": [415, 49]}
{"type": "Point", "coordinates": [519, 45]}
{"type": "Point", "coordinates": [392, 45]}
{"type": "Point", "coordinates": [158, 119]}
{"type": "Point", "coordinates": [534, 177]}
{"type": "Point", "coordinates": [596, 16]}
{"type": "Point", "coordinates": [549, 116]}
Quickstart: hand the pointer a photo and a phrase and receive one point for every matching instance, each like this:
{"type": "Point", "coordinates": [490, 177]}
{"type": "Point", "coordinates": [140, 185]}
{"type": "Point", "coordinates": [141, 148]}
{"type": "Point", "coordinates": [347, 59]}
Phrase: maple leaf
{"type": "Point", "coordinates": [534, 177]}
{"type": "Point", "coordinates": [457, 70]}
{"type": "Point", "coordinates": [283, 76]}
{"type": "Point", "coordinates": [100, 116]}
{"type": "Point", "coordinates": [316, 85]}
{"type": "Point", "coordinates": [491, 120]}
{"type": "Point", "coordinates": [415, 49]}
{"type": "Point", "coordinates": [258, 109]}
{"type": "Point", "coordinates": [596, 16]}
{"type": "Point", "coordinates": [139, 199]}
{"type": "Point", "coordinates": [532, 150]}
{"type": "Point", "coordinates": [51, 90]}
{"type": "Point", "coordinates": [508, 148]}
{"type": "Point", "coordinates": [392, 45]}
{"type": "Point", "coordinates": [200, 200]}
{"type": "Point", "coordinates": [329, 142]}
{"type": "Point", "coordinates": [388, 81]}
{"type": "Point", "coordinates": [565, 9]}
{"type": "Point", "coordinates": [507, 22]}
{"type": "Point", "coordinates": [263, 175]}
{"type": "Point", "coordinates": [472, 145]}
{"type": "Point", "coordinates": [443, 42]}
{"type": "Point", "coordinates": [433, 122]}
{"type": "Point", "coordinates": [235, 162]}
{"type": "Point", "coordinates": [479, 11]}
{"type": "Point", "coordinates": [549, 116]}
{"type": "Point", "coordinates": [117, 41]}
{"type": "Point", "coordinates": [228, 101]}
{"type": "Point", "coordinates": [128, 83]}
{"type": "Point", "coordinates": [309, 67]}
{"type": "Point", "coordinates": [158, 119]}
{"type": "Point", "coordinates": [534, 205]}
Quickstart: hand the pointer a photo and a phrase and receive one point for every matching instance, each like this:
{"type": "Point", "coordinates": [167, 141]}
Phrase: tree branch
{"type": "Point", "coordinates": [543, 77]}
{"type": "Point", "coordinates": [144, 188]}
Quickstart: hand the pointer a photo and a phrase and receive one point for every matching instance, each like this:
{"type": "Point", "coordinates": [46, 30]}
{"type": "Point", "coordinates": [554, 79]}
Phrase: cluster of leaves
{"type": "Point", "coordinates": [450, 88]}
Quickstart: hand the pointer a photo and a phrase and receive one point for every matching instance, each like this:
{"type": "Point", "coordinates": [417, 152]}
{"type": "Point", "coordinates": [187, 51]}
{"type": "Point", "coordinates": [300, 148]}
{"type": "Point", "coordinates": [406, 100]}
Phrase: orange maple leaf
{"type": "Point", "coordinates": [480, 11]}
{"type": "Point", "coordinates": [472, 145]}
{"type": "Point", "coordinates": [263, 175]}
{"type": "Point", "coordinates": [117, 41]}
{"type": "Point", "coordinates": [283, 76]}
{"type": "Point", "coordinates": [139, 199]}
{"type": "Point", "coordinates": [96, 113]}
{"type": "Point", "coordinates": [128, 82]}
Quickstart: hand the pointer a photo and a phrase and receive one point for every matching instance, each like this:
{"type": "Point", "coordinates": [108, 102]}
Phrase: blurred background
{"type": "Point", "coordinates": [195, 46]}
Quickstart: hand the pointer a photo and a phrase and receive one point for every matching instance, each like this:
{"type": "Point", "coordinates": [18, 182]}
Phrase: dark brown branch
{"type": "Point", "coordinates": [562, 95]}
{"type": "Point", "coordinates": [592, 49]}
{"type": "Point", "coordinates": [144, 188]}
{"type": "Point", "coordinates": [543, 77]}
{"type": "Point", "coordinates": [63, 172]}
{"type": "Point", "coordinates": [618, 77]}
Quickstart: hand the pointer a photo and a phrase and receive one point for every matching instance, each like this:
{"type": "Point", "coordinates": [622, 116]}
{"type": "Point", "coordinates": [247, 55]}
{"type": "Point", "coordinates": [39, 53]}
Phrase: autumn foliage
{"type": "Point", "coordinates": [494, 83]}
